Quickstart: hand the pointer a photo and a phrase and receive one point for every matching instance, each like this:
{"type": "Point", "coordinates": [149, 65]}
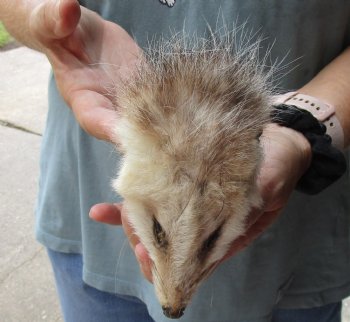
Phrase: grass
{"type": "Point", "coordinates": [5, 38]}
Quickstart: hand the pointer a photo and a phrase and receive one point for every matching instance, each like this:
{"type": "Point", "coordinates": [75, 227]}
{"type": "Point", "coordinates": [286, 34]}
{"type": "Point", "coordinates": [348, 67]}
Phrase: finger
{"type": "Point", "coordinates": [254, 231]}
{"type": "Point", "coordinates": [106, 213]}
{"type": "Point", "coordinates": [263, 222]}
{"type": "Point", "coordinates": [69, 12]}
{"type": "Point", "coordinates": [55, 19]}
{"type": "Point", "coordinates": [144, 261]}
{"type": "Point", "coordinates": [253, 217]}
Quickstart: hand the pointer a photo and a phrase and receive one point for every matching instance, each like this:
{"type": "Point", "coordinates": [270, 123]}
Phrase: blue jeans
{"type": "Point", "coordinates": [326, 313]}
{"type": "Point", "coordinates": [82, 303]}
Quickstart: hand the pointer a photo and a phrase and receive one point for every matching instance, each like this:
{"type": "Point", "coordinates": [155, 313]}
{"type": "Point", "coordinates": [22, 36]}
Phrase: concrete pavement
{"type": "Point", "coordinates": [27, 291]}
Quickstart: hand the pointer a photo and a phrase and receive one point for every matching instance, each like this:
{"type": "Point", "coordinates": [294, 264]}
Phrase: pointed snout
{"type": "Point", "coordinates": [173, 313]}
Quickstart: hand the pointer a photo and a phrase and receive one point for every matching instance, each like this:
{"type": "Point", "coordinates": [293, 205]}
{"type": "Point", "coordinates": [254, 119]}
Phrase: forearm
{"type": "Point", "coordinates": [15, 14]}
{"type": "Point", "coordinates": [332, 85]}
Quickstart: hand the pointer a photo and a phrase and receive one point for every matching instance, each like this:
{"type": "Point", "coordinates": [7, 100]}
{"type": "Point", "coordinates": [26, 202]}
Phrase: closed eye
{"type": "Point", "coordinates": [209, 243]}
{"type": "Point", "coordinates": [159, 234]}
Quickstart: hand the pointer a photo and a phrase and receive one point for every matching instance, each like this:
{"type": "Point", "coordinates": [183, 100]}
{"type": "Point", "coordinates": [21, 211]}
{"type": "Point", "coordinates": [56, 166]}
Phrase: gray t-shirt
{"type": "Point", "coordinates": [303, 260]}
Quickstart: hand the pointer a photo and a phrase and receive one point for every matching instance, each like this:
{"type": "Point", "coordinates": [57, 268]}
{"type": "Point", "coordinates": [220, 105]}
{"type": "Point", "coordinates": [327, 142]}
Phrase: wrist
{"type": "Point", "coordinates": [296, 143]}
{"type": "Point", "coordinates": [328, 164]}
{"type": "Point", "coordinates": [302, 148]}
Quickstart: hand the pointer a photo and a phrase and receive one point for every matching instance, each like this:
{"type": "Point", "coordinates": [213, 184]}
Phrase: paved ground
{"type": "Point", "coordinates": [27, 291]}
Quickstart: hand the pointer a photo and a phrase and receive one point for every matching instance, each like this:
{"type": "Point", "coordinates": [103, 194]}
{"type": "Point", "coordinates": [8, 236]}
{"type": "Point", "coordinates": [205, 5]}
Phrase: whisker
{"type": "Point", "coordinates": [155, 272]}
{"type": "Point", "coordinates": [121, 253]}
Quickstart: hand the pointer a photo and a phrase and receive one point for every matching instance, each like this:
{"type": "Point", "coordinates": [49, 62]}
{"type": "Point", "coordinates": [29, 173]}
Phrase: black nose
{"type": "Point", "coordinates": [173, 313]}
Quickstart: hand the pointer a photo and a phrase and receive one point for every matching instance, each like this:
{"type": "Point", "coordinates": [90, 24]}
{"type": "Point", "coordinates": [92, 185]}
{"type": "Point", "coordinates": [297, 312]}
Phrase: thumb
{"type": "Point", "coordinates": [106, 213]}
{"type": "Point", "coordinates": [52, 19]}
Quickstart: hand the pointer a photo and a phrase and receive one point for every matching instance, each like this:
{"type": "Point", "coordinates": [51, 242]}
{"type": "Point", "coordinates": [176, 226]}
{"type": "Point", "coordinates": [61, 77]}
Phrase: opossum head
{"type": "Point", "coordinates": [189, 130]}
{"type": "Point", "coordinates": [187, 214]}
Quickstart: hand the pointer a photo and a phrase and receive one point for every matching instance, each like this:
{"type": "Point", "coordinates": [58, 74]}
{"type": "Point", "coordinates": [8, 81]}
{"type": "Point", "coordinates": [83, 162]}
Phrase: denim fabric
{"type": "Point", "coordinates": [83, 303]}
{"type": "Point", "coordinates": [326, 313]}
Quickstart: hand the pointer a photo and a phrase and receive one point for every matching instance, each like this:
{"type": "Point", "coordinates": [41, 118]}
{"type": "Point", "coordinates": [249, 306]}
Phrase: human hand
{"type": "Point", "coordinates": [287, 156]}
{"type": "Point", "coordinates": [86, 53]}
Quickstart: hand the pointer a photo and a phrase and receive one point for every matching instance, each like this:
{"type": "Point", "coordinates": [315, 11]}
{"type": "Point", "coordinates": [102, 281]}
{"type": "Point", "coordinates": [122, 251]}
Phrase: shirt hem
{"type": "Point", "coordinates": [314, 299]}
{"type": "Point", "coordinates": [58, 244]}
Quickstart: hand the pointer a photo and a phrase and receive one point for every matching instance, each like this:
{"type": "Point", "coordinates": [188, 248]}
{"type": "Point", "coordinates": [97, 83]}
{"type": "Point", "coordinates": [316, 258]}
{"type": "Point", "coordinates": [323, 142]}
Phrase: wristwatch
{"type": "Point", "coordinates": [322, 111]}
{"type": "Point", "coordinates": [317, 121]}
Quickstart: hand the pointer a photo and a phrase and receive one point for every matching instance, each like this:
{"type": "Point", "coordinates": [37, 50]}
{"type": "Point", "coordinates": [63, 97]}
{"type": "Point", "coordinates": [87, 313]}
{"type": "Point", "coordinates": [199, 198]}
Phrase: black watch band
{"type": "Point", "coordinates": [328, 163]}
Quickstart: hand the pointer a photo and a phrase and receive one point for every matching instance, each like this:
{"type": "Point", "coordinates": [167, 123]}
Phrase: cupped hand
{"type": "Point", "coordinates": [88, 55]}
{"type": "Point", "coordinates": [287, 154]}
